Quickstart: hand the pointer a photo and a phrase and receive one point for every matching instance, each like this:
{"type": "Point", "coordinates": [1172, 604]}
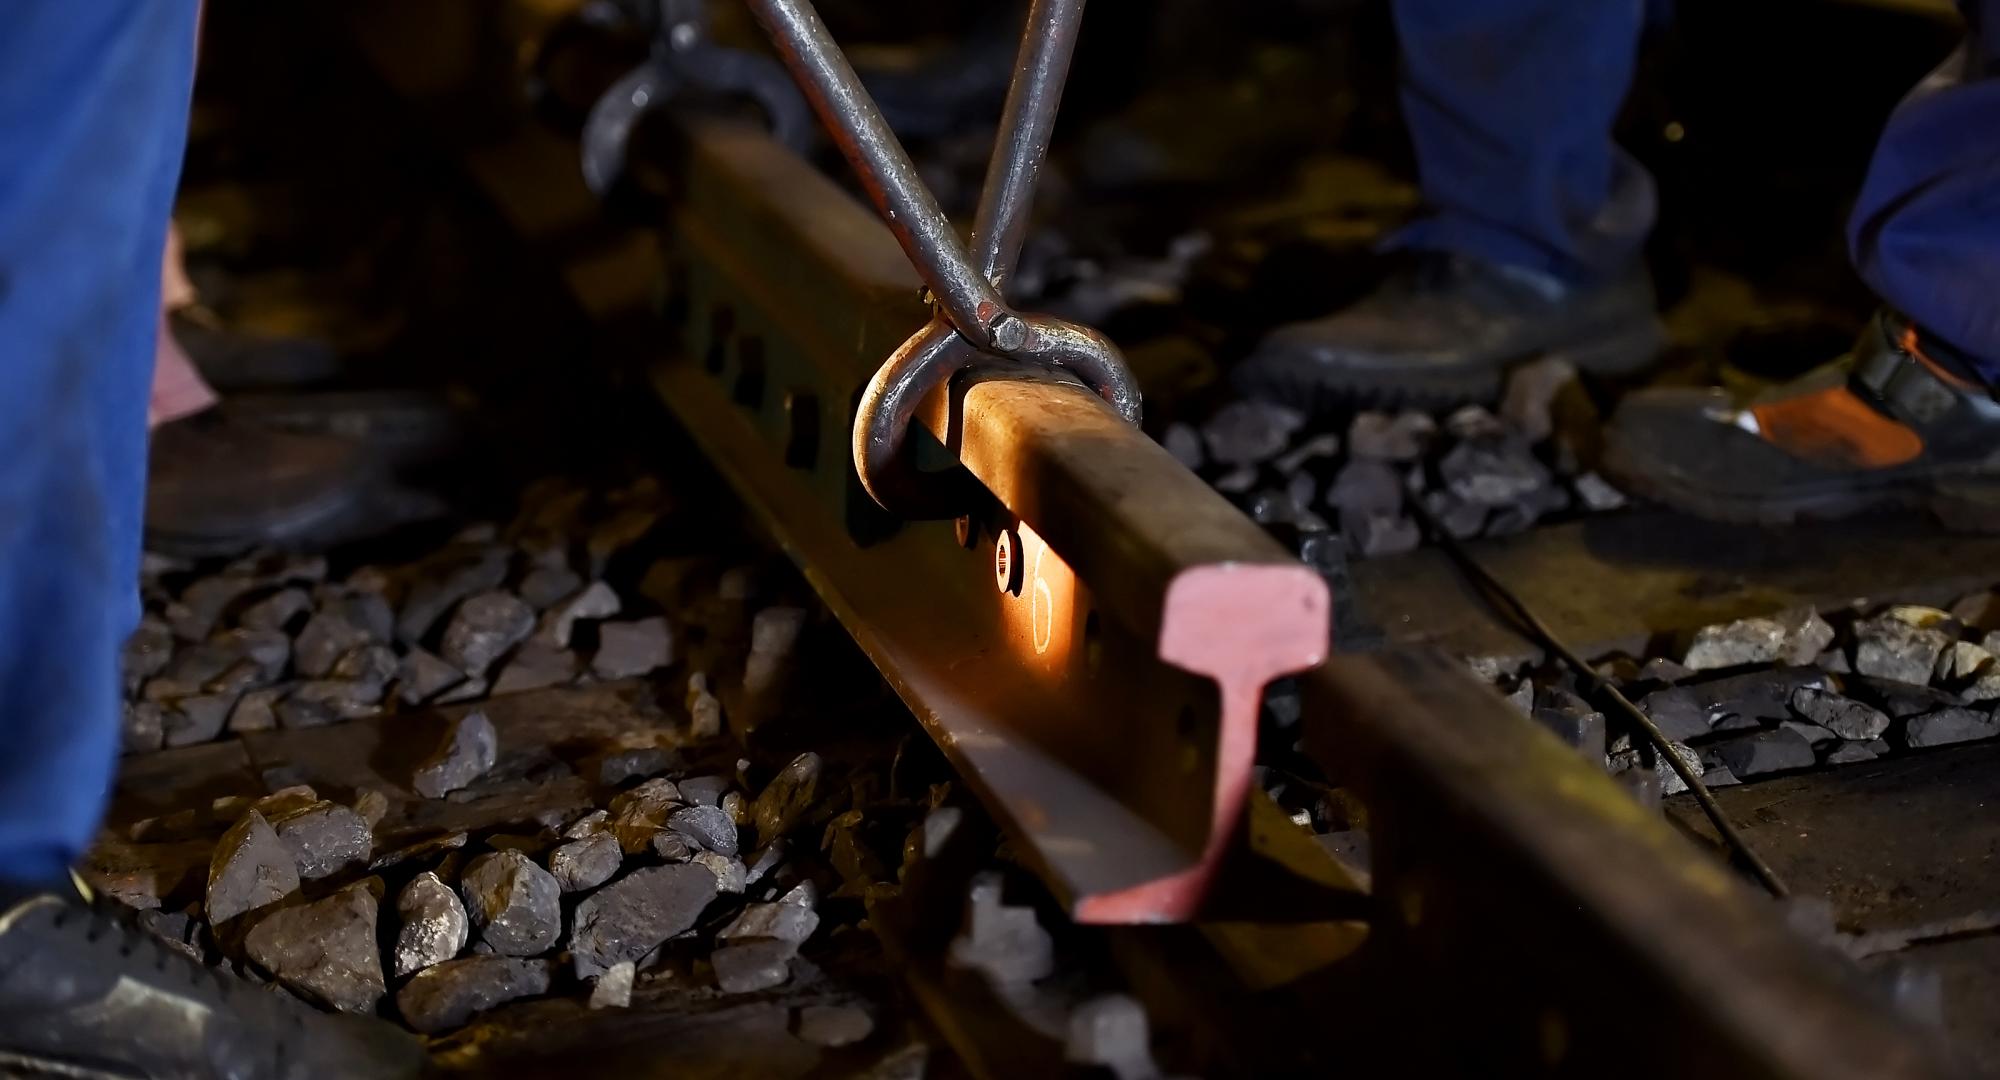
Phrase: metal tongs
{"type": "Point", "coordinates": [973, 318]}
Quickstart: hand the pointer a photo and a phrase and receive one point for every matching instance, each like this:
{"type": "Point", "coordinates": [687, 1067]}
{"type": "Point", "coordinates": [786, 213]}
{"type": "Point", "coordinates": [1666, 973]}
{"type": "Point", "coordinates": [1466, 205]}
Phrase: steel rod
{"type": "Point", "coordinates": [967, 297]}
{"type": "Point", "coordinates": [1025, 127]}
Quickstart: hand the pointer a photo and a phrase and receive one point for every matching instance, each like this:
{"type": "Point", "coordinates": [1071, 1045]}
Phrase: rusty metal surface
{"type": "Point", "coordinates": [1621, 582]}
{"type": "Point", "coordinates": [1520, 878]}
{"type": "Point", "coordinates": [1105, 703]}
{"type": "Point", "coordinates": [972, 312]}
{"type": "Point", "coordinates": [1530, 909]}
{"type": "Point", "coordinates": [1516, 878]}
{"type": "Point", "coordinates": [1907, 847]}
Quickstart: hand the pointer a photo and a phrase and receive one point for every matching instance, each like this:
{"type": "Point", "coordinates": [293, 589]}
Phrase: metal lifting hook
{"type": "Point", "coordinates": [973, 315]}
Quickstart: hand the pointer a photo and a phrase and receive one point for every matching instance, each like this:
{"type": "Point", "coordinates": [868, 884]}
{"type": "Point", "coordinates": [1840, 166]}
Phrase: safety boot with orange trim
{"type": "Point", "coordinates": [1902, 421]}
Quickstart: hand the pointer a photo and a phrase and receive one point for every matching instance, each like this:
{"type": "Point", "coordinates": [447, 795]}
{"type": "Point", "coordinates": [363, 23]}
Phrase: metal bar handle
{"type": "Point", "coordinates": [845, 107]}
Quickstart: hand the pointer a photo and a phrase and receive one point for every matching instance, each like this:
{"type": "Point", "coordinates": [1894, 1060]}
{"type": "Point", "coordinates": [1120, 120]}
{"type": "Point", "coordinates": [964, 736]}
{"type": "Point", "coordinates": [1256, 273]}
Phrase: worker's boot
{"type": "Point", "coordinates": [84, 994]}
{"type": "Point", "coordinates": [1902, 421]}
{"type": "Point", "coordinates": [1445, 331]}
{"type": "Point", "coordinates": [232, 359]}
{"type": "Point", "coordinates": [217, 485]}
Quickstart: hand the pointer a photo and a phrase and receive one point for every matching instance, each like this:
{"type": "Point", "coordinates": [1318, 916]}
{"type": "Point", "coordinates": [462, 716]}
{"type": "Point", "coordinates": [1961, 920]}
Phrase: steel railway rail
{"type": "Point", "coordinates": [1089, 639]}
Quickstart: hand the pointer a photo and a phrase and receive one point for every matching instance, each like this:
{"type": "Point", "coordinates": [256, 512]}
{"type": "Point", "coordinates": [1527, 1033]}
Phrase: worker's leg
{"type": "Point", "coordinates": [1534, 219]}
{"type": "Point", "coordinates": [1510, 105]}
{"type": "Point", "coordinates": [1911, 416]}
{"type": "Point", "coordinates": [1926, 230]}
{"type": "Point", "coordinates": [93, 114]}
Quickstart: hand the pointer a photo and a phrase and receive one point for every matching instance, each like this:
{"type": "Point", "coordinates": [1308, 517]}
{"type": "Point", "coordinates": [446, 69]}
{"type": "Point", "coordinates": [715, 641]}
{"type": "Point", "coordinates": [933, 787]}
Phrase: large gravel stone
{"type": "Point", "coordinates": [361, 607]}
{"type": "Point", "coordinates": [628, 649]}
{"type": "Point", "coordinates": [326, 949]}
{"type": "Point", "coordinates": [752, 966]}
{"type": "Point", "coordinates": [636, 763]}
{"type": "Point", "coordinates": [257, 710]}
{"type": "Point", "coordinates": [1691, 710]}
{"type": "Point", "coordinates": [326, 638]}
{"type": "Point", "coordinates": [148, 650]}
{"type": "Point", "coordinates": [1573, 721]}
{"type": "Point", "coordinates": [470, 748]}
{"type": "Point", "coordinates": [325, 839]}
{"type": "Point", "coordinates": [1984, 688]}
{"type": "Point", "coordinates": [774, 638]}
{"type": "Point", "coordinates": [590, 824]}
{"type": "Point", "coordinates": [533, 666]}
{"type": "Point", "coordinates": [1249, 432]}
{"type": "Point", "coordinates": [434, 925]}
{"type": "Point", "coordinates": [613, 989]}
{"type": "Point", "coordinates": [269, 650]}
{"type": "Point", "coordinates": [1963, 663]}
{"type": "Point", "coordinates": [1005, 942]}
{"type": "Point", "coordinates": [196, 719]}
{"type": "Point", "coordinates": [1382, 437]}
{"type": "Point", "coordinates": [1948, 726]}
{"type": "Point", "coordinates": [450, 994]}
{"type": "Point", "coordinates": [587, 863]}
{"type": "Point", "coordinates": [1900, 700]}
{"type": "Point", "coordinates": [514, 904]}
{"type": "Point", "coordinates": [251, 869]}
{"type": "Point", "coordinates": [635, 915]}
{"type": "Point", "coordinates": [1183, 442]}
{"type": "Point", "coordinates": [424, 676]}
{"type": "Point", "coordinates": [1597, 494]}
{"type": "Point", "coordinates": [791, 919]}
{"type": "Point", "coordinates": [182, 933]}
{"type": "Point", "coordinates": [704, 715]}
{"type": "Point", "coordinates": [1495, 472]}
{"type": "Point", "coordinates": [545, 586]}
{"type": "Point", "coordinates": [1771, 751]}
{"type": "Point", "coordinates": [276, 611]}
{"type": "Point", "coordinates": [241, 676]}
{"type": "Point", "coordinates": [461, 574]}
{"type": "Point", "coordinates": [1670, 781]}
{"type": "Point", "coordinates": [144, 727]}
{"type": "Point", "coordinates": [371, 664]}
{"type": "Point", "coordinates": [485, 627]}
{"type": "Point", "coordinates": [1903, 644]}
{"type": "Point", "coordinates": [785, 800]}
{"type": "Point", "coordinates": [594, 601]}
{"type": "Point", "coordinates": [1789, 637]}
{"type": "Point", "coordinates": [1365, 487]}
{"type": "Point", "coordinates": [202, 604]}
{"type": "Point", "coordinates": [707, 826]}
{"type": "Point", "coordinates": [1851, 753]}
{"type": "Point", "coordinates": [730, 873]}
{"type": "Point", "coordinates": [1528, 402]}
{"type": "Point", "coordinates": [641, 814]}
{"type": "Point", "coordinates": [1845, 717]}
{"type": "Point", "coordinates": [1375, 534]}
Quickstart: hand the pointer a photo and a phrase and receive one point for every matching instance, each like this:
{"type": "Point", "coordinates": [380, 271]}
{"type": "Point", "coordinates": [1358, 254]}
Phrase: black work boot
{"type": "Point", "coordinates": [232, 359]}
{"type": "Point", "coordinates": [1445, 331]}
{"type": "Point", "coordinates": [1902, 421]}
{"type": "Point", "coordinates": [84, 994]}
{"type": "Point", "coordinates": [217, 485]}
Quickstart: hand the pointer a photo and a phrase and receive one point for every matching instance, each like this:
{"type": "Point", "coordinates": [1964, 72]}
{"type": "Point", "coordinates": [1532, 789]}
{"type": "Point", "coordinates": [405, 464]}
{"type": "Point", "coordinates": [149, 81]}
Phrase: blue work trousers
{"type": "Point", "coordinates": [1510, 105]}
{"type": "Point", "coordinates": [93, 118]}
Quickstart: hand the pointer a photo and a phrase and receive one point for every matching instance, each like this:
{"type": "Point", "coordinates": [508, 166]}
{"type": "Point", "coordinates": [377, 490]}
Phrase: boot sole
{"type": "Point", "coordinates": [1965, 503]}
{"type": "Point", "coordinates": [1322, 391]}
{"type": "Point", "coordinates": [28, 1066]}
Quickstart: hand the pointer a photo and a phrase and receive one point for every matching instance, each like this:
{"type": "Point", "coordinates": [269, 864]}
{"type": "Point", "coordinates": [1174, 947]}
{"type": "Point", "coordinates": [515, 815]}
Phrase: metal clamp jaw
{"type": "Point", "coordinates": [684, 58]}
{"type": "Point", "coordinates": [973, 316]}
